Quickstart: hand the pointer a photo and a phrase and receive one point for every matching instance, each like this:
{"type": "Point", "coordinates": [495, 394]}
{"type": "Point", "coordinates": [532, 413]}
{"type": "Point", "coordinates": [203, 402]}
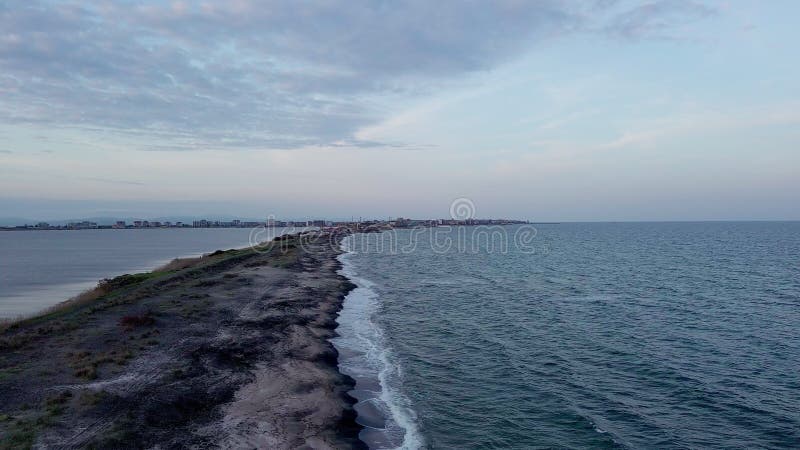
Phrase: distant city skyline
{"type": "Point", "coordinates": [269, 222]}
{"type": "Point", "coordinates": [593, 110]}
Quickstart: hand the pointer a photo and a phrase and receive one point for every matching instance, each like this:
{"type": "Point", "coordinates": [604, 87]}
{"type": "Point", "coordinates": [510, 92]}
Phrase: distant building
{"type": "Point", "coordinates": [119, 224]}
{"type": "Point", "coordinates": [85, 225]}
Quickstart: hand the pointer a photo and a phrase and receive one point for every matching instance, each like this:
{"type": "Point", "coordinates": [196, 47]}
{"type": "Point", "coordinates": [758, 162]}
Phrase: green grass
{"type": "Point", "coordinates": [9, 371]}
{"type": "Point", "coordinates": [20, 433]}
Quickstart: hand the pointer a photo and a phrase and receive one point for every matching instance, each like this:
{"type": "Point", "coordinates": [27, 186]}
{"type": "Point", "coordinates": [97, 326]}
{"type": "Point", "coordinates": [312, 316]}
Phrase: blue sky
{"type": "Point", "coordinates": [583, 110]}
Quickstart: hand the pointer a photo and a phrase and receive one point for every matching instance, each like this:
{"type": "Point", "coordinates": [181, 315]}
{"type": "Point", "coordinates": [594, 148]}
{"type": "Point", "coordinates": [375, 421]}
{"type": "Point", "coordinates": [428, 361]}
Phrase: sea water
{"type": "Point", "coordinates": [605, 335]}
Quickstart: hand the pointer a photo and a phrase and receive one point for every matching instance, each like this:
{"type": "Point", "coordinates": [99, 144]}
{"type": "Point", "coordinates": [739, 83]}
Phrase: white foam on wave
{"type": "Point", "coordinates": [371, 357]}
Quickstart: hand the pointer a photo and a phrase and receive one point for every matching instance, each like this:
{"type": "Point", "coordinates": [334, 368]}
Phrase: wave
{"type": "Point", "coordinates": [383, 410]}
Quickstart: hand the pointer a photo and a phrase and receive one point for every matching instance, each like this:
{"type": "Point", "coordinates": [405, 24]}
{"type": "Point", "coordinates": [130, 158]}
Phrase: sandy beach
{"type": "Point", "coordinates": [229, 350]}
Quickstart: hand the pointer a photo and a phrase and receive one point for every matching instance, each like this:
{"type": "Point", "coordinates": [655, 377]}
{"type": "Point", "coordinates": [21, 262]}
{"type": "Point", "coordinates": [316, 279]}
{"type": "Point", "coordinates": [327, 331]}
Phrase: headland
{"type": "Point", "coordinates": [229, 350]}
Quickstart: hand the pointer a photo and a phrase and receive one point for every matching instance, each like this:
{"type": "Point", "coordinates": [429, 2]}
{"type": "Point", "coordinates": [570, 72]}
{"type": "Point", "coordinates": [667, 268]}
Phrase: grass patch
{"type": "Point", "coordinates": [135, 321]}
{"type": "Point", "coordinates": [21, 434]}
{"type": "Point", "coordinates": [90, 398]}
{"type": "Point", "coordinates": [85, 364]}
{"type": "Point", "coordinates": [109, 287]}
{"type": "Point", "coordinates": [8, 372]}
{"type": "Point", "coordinates": [55, 405]}
{"type": "Point", "coordinates": [131, 288]}
{"type": "Point", "coordinates": [207, 283]}
{"type": "Point", "coordinates": [86, 373]}
{"type": "Point", "coordinates": [93, 296]}
{"type": "Point", "coordinates": [179, 264]}
{"type": "Point", "coordinates": [123, 358]}
{"type": "Point", "coordinates": [284, 259]}
{"type": "Point", "coordinates": [57, 319]}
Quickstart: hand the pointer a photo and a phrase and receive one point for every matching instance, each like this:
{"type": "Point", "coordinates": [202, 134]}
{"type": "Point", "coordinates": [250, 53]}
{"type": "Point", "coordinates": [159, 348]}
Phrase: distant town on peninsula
{"type": "Point", "coordinates": [399, 222]}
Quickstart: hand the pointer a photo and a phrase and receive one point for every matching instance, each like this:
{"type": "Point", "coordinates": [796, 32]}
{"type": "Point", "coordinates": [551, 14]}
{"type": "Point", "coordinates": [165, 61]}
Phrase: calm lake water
{"type": "Point", "coordinates": [629, 335]}
{"type": "Point", "coordinates": [41, 268]}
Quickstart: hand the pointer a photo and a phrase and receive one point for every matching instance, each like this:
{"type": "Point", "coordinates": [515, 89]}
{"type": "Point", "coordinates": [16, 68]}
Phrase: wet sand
{"type": "Point", "coordinates": [231, 350]}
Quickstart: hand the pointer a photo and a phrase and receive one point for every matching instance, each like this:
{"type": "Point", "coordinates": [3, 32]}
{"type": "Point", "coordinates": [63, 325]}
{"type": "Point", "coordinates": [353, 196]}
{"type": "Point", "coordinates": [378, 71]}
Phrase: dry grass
{"type": "Point", "coordinates": [105, 287]}
{"type": "Point", "coordinates": [134, 321]}
{"type": "Point", "coordinates": [84, 298]}
{"type": "Point", "coordinates": [179, 264]}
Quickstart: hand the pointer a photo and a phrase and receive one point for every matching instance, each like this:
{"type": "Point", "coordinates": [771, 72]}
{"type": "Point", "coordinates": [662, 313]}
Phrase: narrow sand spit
{"type": "Point", "coordinates": [231, 351]}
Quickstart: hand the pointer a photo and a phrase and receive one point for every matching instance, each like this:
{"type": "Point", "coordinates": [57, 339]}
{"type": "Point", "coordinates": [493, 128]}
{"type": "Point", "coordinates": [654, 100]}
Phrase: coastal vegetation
{"type": "Point", "coordinates": [153, 357]}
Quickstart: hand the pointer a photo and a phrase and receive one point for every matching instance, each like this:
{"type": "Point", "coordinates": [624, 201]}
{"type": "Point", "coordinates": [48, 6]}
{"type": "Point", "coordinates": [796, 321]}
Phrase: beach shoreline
{"type": "Point", "coordinates": [365, 356]}
{"type": "Point", "coordinates": [232, 349]}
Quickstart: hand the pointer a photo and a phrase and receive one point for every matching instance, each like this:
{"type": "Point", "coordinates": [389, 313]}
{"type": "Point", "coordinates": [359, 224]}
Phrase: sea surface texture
{"type": "Point", "coordinates": [41, 268]}
{"type": "Point", "coordinates": [637, 335]}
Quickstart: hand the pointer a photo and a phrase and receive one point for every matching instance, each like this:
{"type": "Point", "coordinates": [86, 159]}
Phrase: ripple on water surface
{"type": "Point", "coordinates": [667, 335]}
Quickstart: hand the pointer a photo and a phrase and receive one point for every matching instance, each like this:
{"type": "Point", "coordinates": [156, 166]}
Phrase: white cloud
{"type": "Point", "coordinates": [262, 74]}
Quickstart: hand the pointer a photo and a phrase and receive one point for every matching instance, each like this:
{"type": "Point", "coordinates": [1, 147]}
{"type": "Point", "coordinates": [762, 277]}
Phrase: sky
{"type": "Point", "coordinates": [595, 110]}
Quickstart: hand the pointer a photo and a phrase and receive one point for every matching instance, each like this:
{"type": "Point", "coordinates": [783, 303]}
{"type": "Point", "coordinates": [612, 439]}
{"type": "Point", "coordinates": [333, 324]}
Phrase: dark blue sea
{"type": "Point", "coordinates": [596, 335]}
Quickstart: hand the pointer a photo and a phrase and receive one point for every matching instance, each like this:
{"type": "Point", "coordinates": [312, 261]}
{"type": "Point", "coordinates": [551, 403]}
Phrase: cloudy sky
{"type": "Point", "coordinates": [542, 110]}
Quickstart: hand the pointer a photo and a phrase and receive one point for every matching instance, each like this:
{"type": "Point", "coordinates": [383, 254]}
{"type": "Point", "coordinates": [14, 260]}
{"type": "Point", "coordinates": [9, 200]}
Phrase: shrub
{"type": "Point", "coordinates": [134, 321]}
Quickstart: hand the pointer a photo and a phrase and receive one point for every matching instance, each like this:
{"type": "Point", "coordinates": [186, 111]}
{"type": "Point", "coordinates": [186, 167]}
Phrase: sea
{"type": "Point", "coordinates": [41, 268]}
{"type": "Point", "coordinates": [576, 335]}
